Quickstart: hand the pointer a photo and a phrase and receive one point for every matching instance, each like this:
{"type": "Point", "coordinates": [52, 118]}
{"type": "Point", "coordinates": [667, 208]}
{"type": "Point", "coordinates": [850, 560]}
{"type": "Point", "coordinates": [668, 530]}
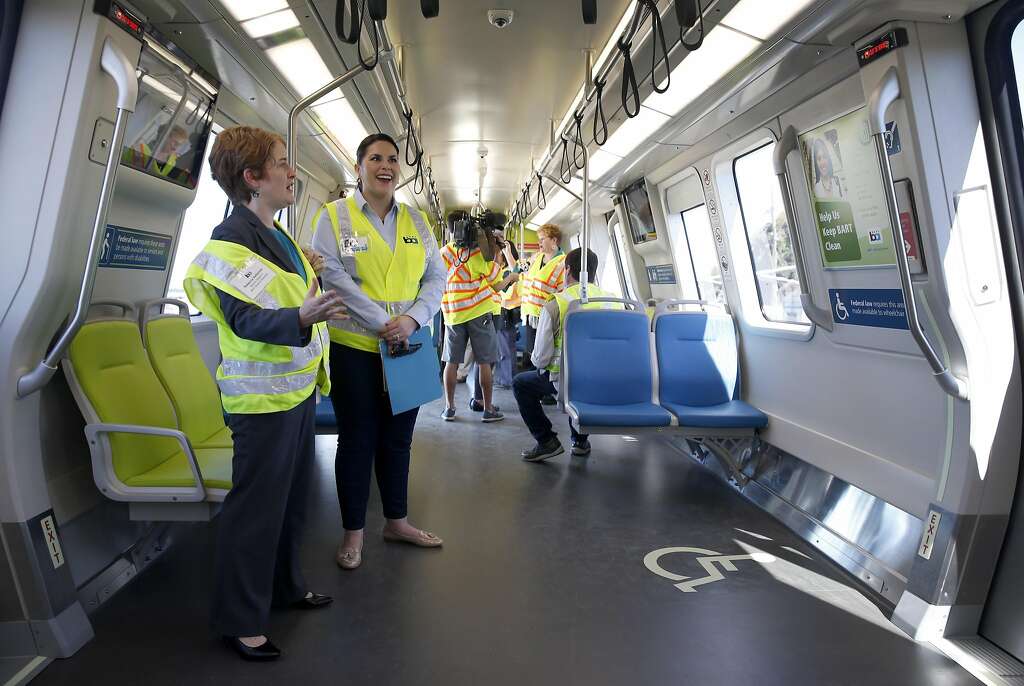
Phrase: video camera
{"type": "Point", "coordinates": [484, 231]}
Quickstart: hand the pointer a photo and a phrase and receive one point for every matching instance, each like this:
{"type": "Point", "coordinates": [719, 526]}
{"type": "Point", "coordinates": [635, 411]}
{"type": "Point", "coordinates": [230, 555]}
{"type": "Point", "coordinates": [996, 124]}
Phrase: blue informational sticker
{"type": "Point", "coordinates": [125, 248]}
{"type": "Point", "coordinates": [878, 307]}
{"type": "Point", "coordinates": [661, 274]}
{"type": "Point", "coordinates": [892, 138]}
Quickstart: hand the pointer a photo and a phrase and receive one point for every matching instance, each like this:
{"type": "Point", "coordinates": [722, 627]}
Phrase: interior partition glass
{"type": "Point", "coordinates": [701, 253]}
{"type": "Point", "coordinates": [206, 211]}
{"type": "Point", "coordinates": [767, 229]}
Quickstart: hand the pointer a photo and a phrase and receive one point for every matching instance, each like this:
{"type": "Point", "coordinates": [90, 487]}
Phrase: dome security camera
{"type": "Point", "coordinates": [500, 18]}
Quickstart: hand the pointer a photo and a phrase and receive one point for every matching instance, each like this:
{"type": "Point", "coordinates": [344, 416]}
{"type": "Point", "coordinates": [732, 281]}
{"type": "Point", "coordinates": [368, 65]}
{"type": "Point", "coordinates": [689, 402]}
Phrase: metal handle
{"type": "Point", "coordinates": [155, 308]}
{"type": "Point", "coordinates": [117, 65]}
{"type": "Point", "coordinates": [666, 305]}
{"type": "Point", "coordinates": [93, 432]}
{"type": "Point", "coordinates": [558, 182]}
{"type": "Point", "coordinates": [639, 307]}
{"type": "Point", "coordinates": [885, 94]}
{"type": "Point", "coordinates": [293, 127]}
{"type": "Point", "coordinates": [787, 144]}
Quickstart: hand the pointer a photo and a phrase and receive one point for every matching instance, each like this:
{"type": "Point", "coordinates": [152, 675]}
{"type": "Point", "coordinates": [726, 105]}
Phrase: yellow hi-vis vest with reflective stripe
{"type": "Point", "coordinates": [468, 289]}
{"type": "Point", "coordinates": [256, 377]}
{"type": "Point", "coordinates": [390, 279]}
{"type": "Point", "coordinates": [542, 282]}
{"type": "Point", "coordinates": [564, 299]}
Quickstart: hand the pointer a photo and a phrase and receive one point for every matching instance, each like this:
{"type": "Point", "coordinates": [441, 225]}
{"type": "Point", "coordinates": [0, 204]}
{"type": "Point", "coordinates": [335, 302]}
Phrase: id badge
{"type": "Point", "coordinates": [253, 278]}
{"type": "Point", "coordinates": [350, 245]}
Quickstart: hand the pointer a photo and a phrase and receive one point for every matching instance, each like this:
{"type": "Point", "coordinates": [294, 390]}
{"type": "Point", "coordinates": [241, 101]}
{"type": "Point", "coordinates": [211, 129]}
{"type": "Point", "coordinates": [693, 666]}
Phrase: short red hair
{"type": "Point", "coordinates": [237, 149]}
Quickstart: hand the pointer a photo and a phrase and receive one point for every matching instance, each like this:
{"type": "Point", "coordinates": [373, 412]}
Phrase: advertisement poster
{"type": "Point", "coordinates": [846, 191]}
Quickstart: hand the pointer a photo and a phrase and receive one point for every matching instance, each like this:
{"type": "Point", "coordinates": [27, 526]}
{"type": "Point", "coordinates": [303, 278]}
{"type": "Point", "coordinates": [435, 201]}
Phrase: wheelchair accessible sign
{"type": "Point", "coordinates": [878, 307]}
{"type": "Point", "coordinates": [125, 248]}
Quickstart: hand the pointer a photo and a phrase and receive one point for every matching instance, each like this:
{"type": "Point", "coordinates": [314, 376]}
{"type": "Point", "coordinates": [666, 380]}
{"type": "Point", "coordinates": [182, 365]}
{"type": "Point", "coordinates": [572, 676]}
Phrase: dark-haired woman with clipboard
{"type": "Point", "coordinates": [382, 258]}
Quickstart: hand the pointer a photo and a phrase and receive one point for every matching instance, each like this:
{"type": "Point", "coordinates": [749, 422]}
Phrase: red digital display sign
{"type": "Point", "coordinates": [126, 19]}
{"type": "Point", "coordinates": [881, 46]}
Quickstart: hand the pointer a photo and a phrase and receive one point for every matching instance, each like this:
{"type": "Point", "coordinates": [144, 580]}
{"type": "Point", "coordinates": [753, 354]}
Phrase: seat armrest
{"type": "Point", "coordinates": [99, 452]}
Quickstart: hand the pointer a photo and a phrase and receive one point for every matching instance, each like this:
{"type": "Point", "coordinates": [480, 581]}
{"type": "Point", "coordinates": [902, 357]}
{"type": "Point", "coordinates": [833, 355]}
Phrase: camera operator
{"type": "Point", "coordinates": [471, 298]}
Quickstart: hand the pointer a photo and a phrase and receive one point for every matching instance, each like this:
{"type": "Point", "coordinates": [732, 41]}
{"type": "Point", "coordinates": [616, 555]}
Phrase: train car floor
{"type": "Point", "coordinates": [549, 575]}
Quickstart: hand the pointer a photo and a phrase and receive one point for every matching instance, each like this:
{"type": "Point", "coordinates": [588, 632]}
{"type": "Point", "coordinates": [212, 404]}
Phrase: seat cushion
{"type": "Point", "coordinates": [325, 418]}
{"type": "Point", "coordinates": [220, 439]}
{"type": "Point", "coordinates": [214, 463]}
{"type": "Point", "coordinates": [633, 414]}
{"type": "Point", "coordinates": [735, 414]}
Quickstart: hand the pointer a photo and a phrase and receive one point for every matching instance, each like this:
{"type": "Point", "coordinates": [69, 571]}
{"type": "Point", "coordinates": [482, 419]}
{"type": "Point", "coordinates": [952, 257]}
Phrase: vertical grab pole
{"type": "Point", "coordinates": [116, 64]}
{"type": "Point", "coordinates": [787, 144]}
{"type": "Point", "coordinates": [293, 126]}
{"type": "Point", "coordinates": [585, 241]}
{"type": "Point", "coordinates": [885, 94]}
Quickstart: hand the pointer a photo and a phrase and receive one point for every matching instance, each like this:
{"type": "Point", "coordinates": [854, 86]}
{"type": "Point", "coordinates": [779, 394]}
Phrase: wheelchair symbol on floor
{"type": "Point", "coordinates": [709, 560]}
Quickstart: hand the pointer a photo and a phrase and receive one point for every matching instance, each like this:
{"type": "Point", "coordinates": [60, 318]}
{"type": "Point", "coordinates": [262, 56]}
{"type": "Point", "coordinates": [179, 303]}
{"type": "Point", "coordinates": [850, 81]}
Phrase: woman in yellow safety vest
{"type": "Point", "coordinates": [545, 277]}
{"type": "Point", "coordinates": [381, 256]}
{"type": "Point", "coordinates": [256, 284]}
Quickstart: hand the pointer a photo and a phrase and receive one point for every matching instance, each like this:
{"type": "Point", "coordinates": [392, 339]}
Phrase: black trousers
{"type": "Point", "coordinates": [370, 438]}
{"type": "Point", "coordinates": [531, 338]}
{"type": "Point", "coordinates": [263, 516]}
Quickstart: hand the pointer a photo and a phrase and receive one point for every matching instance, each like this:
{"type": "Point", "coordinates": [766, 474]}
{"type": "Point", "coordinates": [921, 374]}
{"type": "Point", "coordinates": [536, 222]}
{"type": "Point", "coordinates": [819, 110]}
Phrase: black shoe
{"type": "Point", "coordinates": [548, 400]}
{"type": "Point", "coordinates": [544, 451]}
{"type": "Point", "coordinates": [262, 653]}
{"type": "Point", "coordinates": [581, 448]}
{"type": "Point", "coordinates": [475, 405]}
{"type": "Point", "coordinates": [313, 601]}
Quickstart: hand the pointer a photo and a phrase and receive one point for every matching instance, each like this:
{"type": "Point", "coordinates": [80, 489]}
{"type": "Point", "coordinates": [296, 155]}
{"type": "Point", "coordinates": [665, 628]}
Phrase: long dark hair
{"type": "Point", "coordinates": [364, 146]}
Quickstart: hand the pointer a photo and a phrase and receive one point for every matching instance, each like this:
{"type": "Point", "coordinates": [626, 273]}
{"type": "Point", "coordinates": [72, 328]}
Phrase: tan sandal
{"type": "Point", "coordinates": [348, 559]}
{"type": "Point", "coordinates": [424, 539]}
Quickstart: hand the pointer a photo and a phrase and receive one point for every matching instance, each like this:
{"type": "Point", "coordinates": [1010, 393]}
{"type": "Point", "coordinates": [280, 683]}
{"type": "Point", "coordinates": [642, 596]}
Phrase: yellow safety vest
{"type": "Point", "coordinates": [510, 299]}
{"type": "Point", "coordinates": [146, 153]}
{"type": "Point", "coordinates": [469, 288]}
{"type": "Point", "coordinates": [542, 282]}
{"type": "Point", "coordinates": [390, 279]}
{"type": "Point", "coordinates": [564, 299]}
{"type": "Point", "coordinates": [256, 377]}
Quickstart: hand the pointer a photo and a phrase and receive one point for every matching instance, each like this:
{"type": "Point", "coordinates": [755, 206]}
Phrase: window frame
{"type": "Point", "coordinates": [750, 250]}
{"type": "Point", "coordinates": [613, 238]}
{"type": "Point", "coordinates": [693, 262]}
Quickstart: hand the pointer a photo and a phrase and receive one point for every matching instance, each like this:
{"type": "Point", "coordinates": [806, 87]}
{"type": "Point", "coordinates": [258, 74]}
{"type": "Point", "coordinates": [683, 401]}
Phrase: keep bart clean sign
{"type": "Point", "coordinates": [845, 183]}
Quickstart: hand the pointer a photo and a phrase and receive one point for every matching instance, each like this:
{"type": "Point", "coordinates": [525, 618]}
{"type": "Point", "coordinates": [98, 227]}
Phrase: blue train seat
{"type": "Point", "coordinates": [698, 371]}
{"type": "Point", "coordinates": [607, 372]}
{"type": "Point", "coordinates": [326, 422]}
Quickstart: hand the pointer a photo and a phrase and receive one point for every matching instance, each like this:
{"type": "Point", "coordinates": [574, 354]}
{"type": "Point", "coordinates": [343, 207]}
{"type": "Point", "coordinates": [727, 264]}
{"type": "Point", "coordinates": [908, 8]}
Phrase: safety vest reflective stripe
{"type": "Point", "coordinates": [274, 385]}
{"type": "Point", "coordinates": [225, 271]}
{"type": "Point", "coordinates": [542, 282]}
{"type": "Point", "coordinates": [390, 278]}
{"type": "Point", "coordinates": [301, 358]}
{"type": "Point", "coordinates": [468, 292]}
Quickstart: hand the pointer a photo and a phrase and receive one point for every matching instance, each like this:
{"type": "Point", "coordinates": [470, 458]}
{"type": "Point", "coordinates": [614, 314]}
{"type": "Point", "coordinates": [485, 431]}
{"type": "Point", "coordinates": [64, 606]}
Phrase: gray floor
{"type": "Point", "coordinates": [541, 581]}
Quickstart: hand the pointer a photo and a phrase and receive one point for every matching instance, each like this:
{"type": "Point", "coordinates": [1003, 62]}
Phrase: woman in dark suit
{"type": "Point", "coordinates": [253, 280]}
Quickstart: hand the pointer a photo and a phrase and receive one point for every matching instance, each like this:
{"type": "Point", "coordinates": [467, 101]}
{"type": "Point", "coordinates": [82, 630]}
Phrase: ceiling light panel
{"type": "Point", "coordinates": [301, 65]}
{"type": "Point", "coordinates": [247, 9]}
{"type": "Point", "coordinates": [343, 123]}
{"type": "Point", "coordinates": [269, 24]}
{"type": "Point", "coordinates": [722, 51]}
{"type": "Point", "coordinates": [634, 131]}
{"type": "Point", "coordinates": [763, 19]}
{"type": "Point", "coordinates": [601, 161]}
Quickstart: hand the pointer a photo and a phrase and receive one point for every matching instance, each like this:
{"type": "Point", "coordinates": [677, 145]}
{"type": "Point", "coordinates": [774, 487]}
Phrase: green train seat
{"type": "Point", "coordinates": [139, 453]}
{"type": "Point", "coordinates": [175, 358]}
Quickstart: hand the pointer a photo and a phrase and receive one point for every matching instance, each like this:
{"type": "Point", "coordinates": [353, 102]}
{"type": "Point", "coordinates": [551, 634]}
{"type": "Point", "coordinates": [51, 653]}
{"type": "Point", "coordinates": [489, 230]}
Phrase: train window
{"type": "Point", "coordinates": [699, 250]}
{"type": "Point", "coordinates": [207, 210]}
{"type": "Point", "coordinates": [768, 239]}
{"type": "Point", "coordinates": [620, 253]}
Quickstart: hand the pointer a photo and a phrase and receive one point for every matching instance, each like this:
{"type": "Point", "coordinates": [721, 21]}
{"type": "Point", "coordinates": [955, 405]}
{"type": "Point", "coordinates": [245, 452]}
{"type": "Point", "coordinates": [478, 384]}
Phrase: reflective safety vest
{"type": "Point", "coordinates": [146, 154]}
{"type": "Point", "coordinates": [542, 282]}
{"type": "Point", "coordinates": [564, 299]}
{"type": "Point", "coordinates": [469, 288]}
{"type": "Point", "coordinates": [510, 299]}
{"type": "Point", "coordinates": [389, 278]}
{"type": "Point", "coordinates": [256, 377]}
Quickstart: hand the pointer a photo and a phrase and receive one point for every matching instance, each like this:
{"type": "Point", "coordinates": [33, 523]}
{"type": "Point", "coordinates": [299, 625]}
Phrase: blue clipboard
{"type": "Point", "coordinates": [413, 379]}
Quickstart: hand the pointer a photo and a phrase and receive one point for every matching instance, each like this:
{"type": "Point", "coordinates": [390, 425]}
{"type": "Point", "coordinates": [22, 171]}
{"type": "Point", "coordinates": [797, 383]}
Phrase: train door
{"type": "Point", "coordinates": [998, 38]}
